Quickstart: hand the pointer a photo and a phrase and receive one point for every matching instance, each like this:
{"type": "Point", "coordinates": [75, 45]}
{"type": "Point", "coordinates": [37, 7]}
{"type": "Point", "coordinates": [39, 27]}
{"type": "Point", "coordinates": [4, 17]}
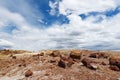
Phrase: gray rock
{"type": "Point", "coordinates": [118, 79]}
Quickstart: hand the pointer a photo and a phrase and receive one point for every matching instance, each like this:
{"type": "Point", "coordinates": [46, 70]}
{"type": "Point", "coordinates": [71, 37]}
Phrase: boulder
{"type": "Point", "coordinates": [86, 62]}
{"type": "Point", "coordinates": [76, 54]}
{"type": "Point", "coordinates": [115, 68]}
{"type": "Point", "coordinates": [55, 53]}
{"type": "Point", "coordinates": [54, 60]}
{"type": "Point", "coordinates": [99, 55]}
{"type": "Point", "coordinates": [14, 57]}
{"type": "Point", "coordinates": [41, 54]}
{"type": "Point", "coordinates": [64, 63]}
{"type": "Point", "coordinates": [28, 73]}
{"type": "Point", "coordinates": [89, 63]}
{"type": "Point", "coordinates": [115, 61]}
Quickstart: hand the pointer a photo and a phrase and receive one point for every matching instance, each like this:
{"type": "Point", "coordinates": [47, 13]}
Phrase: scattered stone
{"type": "Point", "coordinates": [75, 54]}
{"type": "Point", "coordinates": [89, 63]}
{"type": "Point", "coordinates": [55, 53]}
{"type": "Point", "coordinates": [37, 56]}
{"type": "Point", "coordinates": [55, 60]}
{"type": "Point", "coordinates": [115, 68]}
{"type": "Point", "coordinates": [14, 57]}
{"type": "Point", "coordinates": [103, 63]}
{"type": "Point", "coordinates": [103, 55]}
{"type": "Point", "coordinates": [93, 55]}
{"type": "Point", "coordinates": [93, 66]}
{"type": "Point", "coordinates": [65, 63]}
{"type": "Point", "coordinates": [99, 55]}
{"type": "Point", "coordinates": [62, 64]}
{"type": "Point", "coordinates": [28, 73]}
{"type": "Point", "coordinates": [3, 74]}
{"type": "Point", "coordinates": [41, 54]}
{"type": "Point", "coordinates": [86, 62]}
{"type": "Point", "coordinates": [115, 61]}
{"type": "Point", "coordinates": [47, 73]}
{"type": "Point", "coordinates": [23, 64]}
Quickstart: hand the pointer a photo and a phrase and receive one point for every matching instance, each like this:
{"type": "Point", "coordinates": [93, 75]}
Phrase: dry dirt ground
{"type": "Point", "coordinates": [60, 65]}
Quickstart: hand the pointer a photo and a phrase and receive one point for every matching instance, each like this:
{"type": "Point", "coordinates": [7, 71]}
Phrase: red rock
{"type": "Point", "coordinates": [62, 64]}
{"type": "Point", "coordinates": [28, 73]}
{"type": "Point", "coordinates": [99, 55]}
{"type": "Point", "coordinates": [115, 61]}
{"type": "Point", "coordinates": [47, 73]}
{"type": "Point", "coordinates": [55, 60]}
{"type": "Point", "coordinates": [14, 57]}
{"type": "Point", "coordinates": [41, 54]}
{"type": "Point", "coordinates": [103, 63]}
{"type": "Point", "coordinates": [89, 63]}
{"type": "Point", "coordinates": [23, 64]}
{"type": "Point", "coordinates": [93, 55]}
{"type": "Point", "coordinates": [65, 63]}
{"type": "Point", "coordinates": [55, 53]}
{"type": "Point", "coordinates": [75, 54]}
{"type": "Point", "coordinates": [86, 61]}
{"type": "Point", "coordinates": [115, 68]}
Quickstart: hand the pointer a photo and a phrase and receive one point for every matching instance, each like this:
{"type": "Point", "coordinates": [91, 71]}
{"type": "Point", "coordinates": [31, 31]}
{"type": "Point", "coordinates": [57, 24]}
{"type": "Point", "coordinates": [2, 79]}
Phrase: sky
{"type": "Point", "coordinates": [60, 24]}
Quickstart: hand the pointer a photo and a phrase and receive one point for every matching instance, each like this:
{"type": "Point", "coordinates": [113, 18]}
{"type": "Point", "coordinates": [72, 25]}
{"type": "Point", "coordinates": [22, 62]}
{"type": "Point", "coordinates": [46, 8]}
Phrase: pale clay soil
{"type": "Point", "coordinates": [43, 69]}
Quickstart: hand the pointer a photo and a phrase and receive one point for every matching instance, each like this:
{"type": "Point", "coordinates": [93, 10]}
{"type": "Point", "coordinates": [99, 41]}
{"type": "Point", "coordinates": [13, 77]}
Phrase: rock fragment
{"type": "Point", "coordinates": [115, 68]}
{"type": "Point", "coordinates": [75, 54]}
{"type": "Point", "coordinates": [65, 62]}
{"type": "Point", "coordinates": [55, 53]}
{"type": "Point", "coordinates": [99, 55]}
{"type": "Point", "coordinates": [115, 61]}
{"type": "Point", "coordinates": [118, 79]}
{"type": "Point", "coordinates": [28, 73]}
{"type": "Point", "coordinates": [89, 63]}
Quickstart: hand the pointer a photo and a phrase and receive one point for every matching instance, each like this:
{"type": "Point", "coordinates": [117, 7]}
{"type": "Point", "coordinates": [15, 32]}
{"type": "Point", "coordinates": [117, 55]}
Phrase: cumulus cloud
{"type": "Point", "coordinates": [53, 7]}
{"type": "Point", "coordinates": [77, 33]}
{"type": "Point", "coordinates": [84, 6]}
{"type": "Point", "coordinates": [4, 44]}
{"type": "Point", "coordinates": [24, 8]}
{"type": "Point", "coordinates": [88, 33]}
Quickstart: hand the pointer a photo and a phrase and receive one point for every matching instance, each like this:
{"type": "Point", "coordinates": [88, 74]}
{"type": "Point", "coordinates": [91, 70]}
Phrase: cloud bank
{"type": "Point", "coordinates": [19, 27]}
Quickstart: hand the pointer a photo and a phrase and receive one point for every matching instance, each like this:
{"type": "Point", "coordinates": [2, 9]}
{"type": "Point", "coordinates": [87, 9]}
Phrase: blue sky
{"type": "Point", "coordinates": [55, 24]}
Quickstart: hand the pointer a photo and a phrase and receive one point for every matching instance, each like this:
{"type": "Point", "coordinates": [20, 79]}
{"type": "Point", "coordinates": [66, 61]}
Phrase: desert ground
{"type": "Point", "coordinates": [59, 65]}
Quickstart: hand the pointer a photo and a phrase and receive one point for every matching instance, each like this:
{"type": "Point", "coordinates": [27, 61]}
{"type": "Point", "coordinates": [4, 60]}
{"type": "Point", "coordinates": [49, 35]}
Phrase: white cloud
{"type": "Point", "coordinates": [7, 16]}
{"type": "Point", "coordinates": [25, 8]}
{"type": "Point", "coordinates": [84, 6]}
{"type": "Point", "coordinates": [77, 34]}
{"type": "Point", "coordinates": [53, 7]}
{"type": "Point", "coordinates": [5, 44]}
